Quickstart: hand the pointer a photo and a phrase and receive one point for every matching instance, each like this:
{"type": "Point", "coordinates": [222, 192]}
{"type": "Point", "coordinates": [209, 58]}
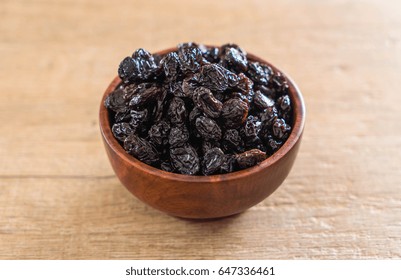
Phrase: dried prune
{"type": "Point", "coordinates": [158, 109]}
{"type": "Point", "coordinates": [199, 110]}
{"type": "Point", "coordinates": [234, 112]}
{"type": "Point", "coordinates": [185, 160]}
{"type": "Point", "coordinates": [189, 84]}
{"type": "Point", "coordinates": [208, 128]}
{"type": "Point", "coordinates": [195, 113]}
{"type": "Point", "coordinates": [141, 149]}
{"type": "Point", "coordinates": [224, 48]}
{"type": "Point", "coordinates": [207, 145]}
{"type": "Point", "coordinates": [212, 161]}
{"type": "Point", "coordinates": [176, 89]}
{"type": "Point", "coordinates": [166, 166]}
{"type": "Point", "coordinates": [273, 144]}
{"type": "Point", "coordinates": [204, 99]}
{"type": "Point", "coordinates": [250, 158]}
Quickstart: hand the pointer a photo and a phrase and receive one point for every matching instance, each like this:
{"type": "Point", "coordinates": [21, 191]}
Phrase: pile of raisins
{"type": "Point", "coordinates": [199, 110]}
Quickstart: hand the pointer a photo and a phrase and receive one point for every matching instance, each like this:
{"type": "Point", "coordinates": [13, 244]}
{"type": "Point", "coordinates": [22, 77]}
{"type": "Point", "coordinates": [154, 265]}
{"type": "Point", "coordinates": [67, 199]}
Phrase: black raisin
{"type": "Point", "coordinates": [178, 136]}
{"type": "Point", "coordinates": [159, 133]}
{"type": "Point", "coordinates": [185, 160]}
{"type": "Point", "coordinates": [141, 149]}
{"type": "Point", "coordinates": [280, 128]}
{"type": "Point", "coordinates": [176, 111]}
{"type": "Point", "coordinates": [116, 101]}
{"type": "Point", "coordinates": [204, 99]}
{"type": "Point", "coordinates": [250, 158]}
{"type": "Point", "coordinates": [208, 128]}
{"type": "Point", "coordinates": [121, 130]}
{"type": "Point", "coordinates": [234, 112]}
{"type": "Point", "coordinates": [212, 161]}
{"type": "Point", "coordinates": [190, 58]}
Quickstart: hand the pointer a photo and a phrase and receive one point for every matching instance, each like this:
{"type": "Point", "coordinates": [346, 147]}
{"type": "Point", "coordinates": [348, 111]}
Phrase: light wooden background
{"type": "Point", "coordinates": [59, 198]}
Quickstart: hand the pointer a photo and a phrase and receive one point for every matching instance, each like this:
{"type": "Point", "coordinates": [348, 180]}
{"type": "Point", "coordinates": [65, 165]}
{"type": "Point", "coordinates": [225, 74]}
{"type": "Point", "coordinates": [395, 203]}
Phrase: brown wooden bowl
{"type": "Point", "coordinates": [203, 197]}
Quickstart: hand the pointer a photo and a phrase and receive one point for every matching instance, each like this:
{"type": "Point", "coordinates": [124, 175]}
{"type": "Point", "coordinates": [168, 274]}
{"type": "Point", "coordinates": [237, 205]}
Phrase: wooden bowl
{"type": "Point", "coordinates": [202, 197]}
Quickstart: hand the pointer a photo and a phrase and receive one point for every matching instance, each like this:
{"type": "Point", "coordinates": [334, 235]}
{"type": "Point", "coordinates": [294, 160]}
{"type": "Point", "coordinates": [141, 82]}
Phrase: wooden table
{"type": "Point", "coordinates": [59, 198]}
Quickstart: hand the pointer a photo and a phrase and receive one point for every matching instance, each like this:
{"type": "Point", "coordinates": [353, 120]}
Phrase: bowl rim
{"type": "Point", "coordinates": [296, 133]}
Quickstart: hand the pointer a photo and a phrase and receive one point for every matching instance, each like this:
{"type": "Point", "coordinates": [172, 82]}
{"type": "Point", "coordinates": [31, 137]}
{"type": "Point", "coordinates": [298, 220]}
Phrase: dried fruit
{"type": "Point", "coordinates": [250, 158]}
{"type": "Point", "coordinates": [216, 78]}
{"type": "Point", "coordinates": [176, 111]}
{"type": "Point", "coordinates": [141, 149]}
{"type": "Point", "coordinates": [179, 135]}
{"type": "Point", "coordinates": [185, 160]}
{"type": "Point", "coordinates": [140, 67]}
{"type": "Point", "coordinates": [199, 110]}
{"type": "Point", "coordinates": [234, 112]}
{"type": "Point", "coordinates": [190, 58]}
{"type": "Point", "coordinates": [212, 161]}
{"type": "Point", "coordinates": [121, 130]}
{"type": "Point", "coordinates": [232, 141]}
{"type": "Point", "coordinates": [159, 133]}
{"type": "Point", "coordinates": [208, 128]}
{"type": "Point", "coordinates": [204, 99]}
{"type": "Point", "coordinates": [116, 101]}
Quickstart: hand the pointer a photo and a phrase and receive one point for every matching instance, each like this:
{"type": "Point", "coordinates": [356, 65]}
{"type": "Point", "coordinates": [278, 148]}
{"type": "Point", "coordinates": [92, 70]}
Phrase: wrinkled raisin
{"type": "Point", "coordinates": [250, 158]}
{"type": "Point", "coordinates": [121, 130]}
{"type": "Point", "coordinates": [141, 149]}
{"type": "Point", "coordinates": [234, 112]}
{"type": "Point", "coordinates": [208, 128]}
{"type": "Point", "coordinates": [204, 99]}
{"type": "Point", "coordinates": [212, 161]}
{"type": "Point", "coordinates": [176, 111]}
{"type": "Point", "coordinates": [185, 160]}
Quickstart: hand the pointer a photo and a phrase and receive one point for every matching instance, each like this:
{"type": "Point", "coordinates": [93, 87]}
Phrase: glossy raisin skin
{"type": "Point", "coordinates": [205, 100]}
{"type": "Point", "coordinates": [212, 161]}
{"type": "Point", "coordinates": [250, 158]}
{"type": "Point", "coordinates": [141, 149]}
{"type": "Point", "coordinates": [208, 128]}
{"type": "Point", "coordinates": [234, 112]}
{"type": "Point", "coordinates": [185, 160]}
{"type": "Point", "coordinates": [200, 110]}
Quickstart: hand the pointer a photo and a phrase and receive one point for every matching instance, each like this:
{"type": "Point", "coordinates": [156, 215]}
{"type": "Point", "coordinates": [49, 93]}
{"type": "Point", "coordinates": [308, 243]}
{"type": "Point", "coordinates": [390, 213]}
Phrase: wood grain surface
{"type": "Point", "coordinates": [59, 198]}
